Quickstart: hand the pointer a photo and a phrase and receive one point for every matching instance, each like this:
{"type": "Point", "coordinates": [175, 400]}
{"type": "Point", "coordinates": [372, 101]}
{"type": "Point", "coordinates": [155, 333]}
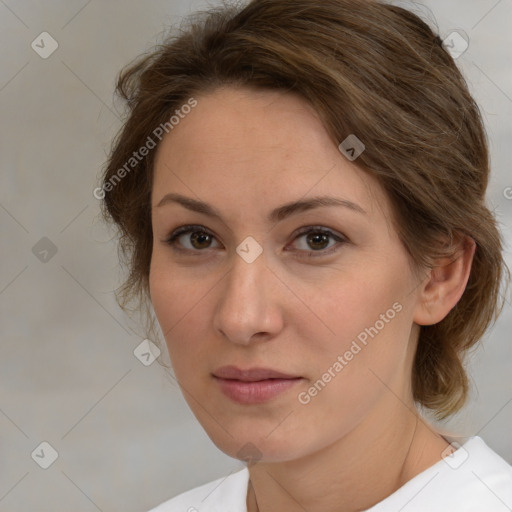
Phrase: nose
{"type": "Point", "coordinates": [249, 306]}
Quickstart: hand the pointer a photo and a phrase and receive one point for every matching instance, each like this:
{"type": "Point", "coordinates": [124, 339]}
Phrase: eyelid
{"type": "Point", "coordinates": [318, 229]}
{"type": "Point", "coordinates": [188, 228]}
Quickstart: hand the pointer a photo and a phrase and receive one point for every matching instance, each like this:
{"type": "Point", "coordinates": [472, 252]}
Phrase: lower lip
{"type": "Point", "coordinates": [258, 392]}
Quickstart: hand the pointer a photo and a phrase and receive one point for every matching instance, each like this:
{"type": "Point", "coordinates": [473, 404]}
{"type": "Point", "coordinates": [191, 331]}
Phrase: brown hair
{"type": "Point", "coordinates": [370, 69]}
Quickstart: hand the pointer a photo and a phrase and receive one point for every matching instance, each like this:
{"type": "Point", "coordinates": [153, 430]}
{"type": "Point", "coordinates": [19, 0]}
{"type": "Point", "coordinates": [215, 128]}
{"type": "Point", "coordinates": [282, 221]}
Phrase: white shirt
{"type": "Point", "coordinates": [473, 479]}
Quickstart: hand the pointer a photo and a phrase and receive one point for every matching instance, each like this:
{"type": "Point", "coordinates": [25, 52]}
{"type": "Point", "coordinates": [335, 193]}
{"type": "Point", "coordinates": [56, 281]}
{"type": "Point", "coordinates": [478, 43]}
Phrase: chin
{"type": "Point", "coordinates": [256, 445]}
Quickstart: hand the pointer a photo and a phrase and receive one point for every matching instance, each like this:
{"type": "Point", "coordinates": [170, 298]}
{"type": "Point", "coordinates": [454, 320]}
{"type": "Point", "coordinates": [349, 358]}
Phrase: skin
{"type": "Point", "coordinates": [246, 152]}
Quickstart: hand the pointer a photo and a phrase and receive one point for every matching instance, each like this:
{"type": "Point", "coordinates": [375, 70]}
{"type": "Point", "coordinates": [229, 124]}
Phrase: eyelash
{"type": "Point", "coordinates": [301, 232]}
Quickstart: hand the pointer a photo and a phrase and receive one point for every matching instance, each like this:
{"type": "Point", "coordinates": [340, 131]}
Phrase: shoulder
{"type": "Point", "coordinates": [479, 471]}
{"type": "Point", "coordinates": [227, 494]}
{"type": "Point", "coordinates": [472, 479]}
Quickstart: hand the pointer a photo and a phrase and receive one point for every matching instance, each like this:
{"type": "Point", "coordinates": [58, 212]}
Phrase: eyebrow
{"type": "Point", "coordinates": [278, 214]}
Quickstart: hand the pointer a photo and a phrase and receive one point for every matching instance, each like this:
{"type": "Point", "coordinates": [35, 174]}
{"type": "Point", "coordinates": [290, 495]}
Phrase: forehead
{"type": "Point", "coordinates": [262, 145]}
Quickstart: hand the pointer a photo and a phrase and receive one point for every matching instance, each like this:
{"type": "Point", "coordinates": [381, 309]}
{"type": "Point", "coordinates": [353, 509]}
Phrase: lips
{"type": "Point", "coordinates": [250, 375]}
{"type": "Point", "coordinates": [254, 385]}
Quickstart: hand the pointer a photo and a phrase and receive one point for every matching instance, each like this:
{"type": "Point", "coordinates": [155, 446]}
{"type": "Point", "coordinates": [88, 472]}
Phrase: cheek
{"type": "Point", "coordinates": [180, 307]}
{"type": "Point", "coordinates": [183, 303]}
{"type": "Point", "coordinates": [368, 353]}
{"type": "Point", "coordinates": [367, 320]}
{"type": "Point", "coordinates": [162, 289]}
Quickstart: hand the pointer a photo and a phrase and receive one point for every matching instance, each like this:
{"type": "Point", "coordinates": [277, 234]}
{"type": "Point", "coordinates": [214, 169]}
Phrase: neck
{"type": "Point", "coordinates": [357, 471]}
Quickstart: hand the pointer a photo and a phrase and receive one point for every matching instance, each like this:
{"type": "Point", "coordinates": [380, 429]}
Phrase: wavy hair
{"type": "Point", "coordinates": [369, 68]}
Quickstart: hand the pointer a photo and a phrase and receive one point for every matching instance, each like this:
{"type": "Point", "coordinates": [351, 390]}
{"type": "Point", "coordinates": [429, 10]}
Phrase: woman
{"type": "Point", "coordinates": [300, 187]}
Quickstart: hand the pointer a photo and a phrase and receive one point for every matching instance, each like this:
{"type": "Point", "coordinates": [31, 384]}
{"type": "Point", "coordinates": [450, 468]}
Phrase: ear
{"type": "Point", "coordinates": [444, 285]}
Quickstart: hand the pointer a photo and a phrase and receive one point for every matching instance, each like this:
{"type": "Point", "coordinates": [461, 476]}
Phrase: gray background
{"type": "Point", "coordinates": [125, 438]}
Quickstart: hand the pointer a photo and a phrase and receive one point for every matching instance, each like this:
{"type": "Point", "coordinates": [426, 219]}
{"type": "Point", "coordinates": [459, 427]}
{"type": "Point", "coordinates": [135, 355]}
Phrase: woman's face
{"type": "Point", "coordinates": [270, 278]}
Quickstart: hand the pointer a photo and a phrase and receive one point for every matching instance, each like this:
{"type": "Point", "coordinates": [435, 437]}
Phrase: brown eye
{"type": "Point", "coordinates": [200, 240]}
{"type": "Point", "coordinates": [318, 241]}
{"type": "Point", "coordinates": [192, 238]}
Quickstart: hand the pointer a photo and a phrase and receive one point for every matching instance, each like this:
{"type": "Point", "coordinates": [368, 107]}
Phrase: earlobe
{"type": "Point", "coordinates": [445, 284]}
